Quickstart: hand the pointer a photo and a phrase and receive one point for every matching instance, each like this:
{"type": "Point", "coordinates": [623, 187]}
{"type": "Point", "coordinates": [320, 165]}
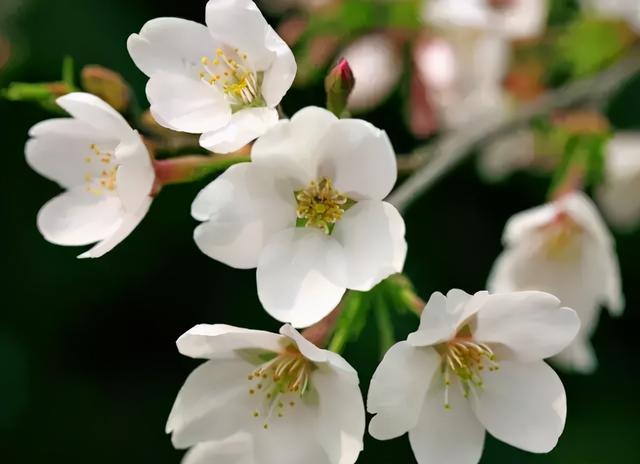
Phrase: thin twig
{"type": "Point", "coordinates": [452, 148]}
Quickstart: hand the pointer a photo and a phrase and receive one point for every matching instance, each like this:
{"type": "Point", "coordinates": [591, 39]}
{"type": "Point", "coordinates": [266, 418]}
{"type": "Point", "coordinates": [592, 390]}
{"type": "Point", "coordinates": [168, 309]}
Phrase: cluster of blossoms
{"type": "Point", "coordinates": [308, 212]}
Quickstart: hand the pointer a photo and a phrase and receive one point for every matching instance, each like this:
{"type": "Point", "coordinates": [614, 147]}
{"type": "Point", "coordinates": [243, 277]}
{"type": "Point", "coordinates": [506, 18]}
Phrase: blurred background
{"type": "Point", "coordinates": [87, 354]}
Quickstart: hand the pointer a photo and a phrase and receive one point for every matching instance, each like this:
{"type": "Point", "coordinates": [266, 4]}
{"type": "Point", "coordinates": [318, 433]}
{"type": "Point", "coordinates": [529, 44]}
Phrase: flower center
{"type": "Point", "coordinates": [279, 384]}
{"type": "Point", "coordinates": [231, 75]}
{"type": "Point", "coordinates": [561, 239]}
{"type": "Point", "coordinates": [101, 177]}
{"type": "Point", "coordinates": [321, 205]}
{"type": "Point", "coordinates": [465, 359]}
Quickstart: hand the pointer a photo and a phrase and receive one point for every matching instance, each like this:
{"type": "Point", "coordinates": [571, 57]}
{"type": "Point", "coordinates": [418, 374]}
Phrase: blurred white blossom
{"type": "Point", "coordinates": [223, 80]}
{"type": "Point", "coordinates": [264, 398]}
{"type": "Point", "coordinates": [619, 195]}
{"type": "Point", "coordinates": [506, 154]}
{"type": "Point", "coordinates": [475, 364]}
{"type": "Point", "coordinates": [104, 167]}
{"type": "Point", "coordinates": [307, 211]}
{"type": "Point", "coordinates": [563, 248]}
{"type": "Point", "coordinates": [377, 65]}
{"type": "Point", "coordinates": [464, 64]}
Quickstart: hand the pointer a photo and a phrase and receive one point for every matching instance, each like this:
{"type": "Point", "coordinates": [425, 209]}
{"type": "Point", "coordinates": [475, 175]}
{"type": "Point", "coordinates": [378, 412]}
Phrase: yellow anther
{"type": "Point", "coordinates": [320, 204]}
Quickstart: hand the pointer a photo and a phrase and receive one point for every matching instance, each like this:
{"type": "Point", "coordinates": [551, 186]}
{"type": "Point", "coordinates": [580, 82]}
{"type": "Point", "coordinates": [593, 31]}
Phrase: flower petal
{"type": "Point", "coordinates": [135, 176]}
{"type": "Point", "coordinates": [452, 436]}
{"type": "Point", "coordinates": [237, 449]}
{"type": "Point", "coordinates": [129, 222]}
{"type": "Point", "coordinates": [223, 18]}
{"type": "Point", "coordinates": [296, 141]}
{"type": "Point", "coordinates": [359, 159]}
{"type": "Point", "coordinates": [60, 147]}
{"type": "Point", "coordinates": [278, 78]}
{"type": "Point", "coordinates": [522, 404]}
{"type": "Point", "coordinates": [95, 112]}
{"type": "Point", "coordinates": [220, 341]}
{"type": "Point", "coordinates": [442, 317]}
{"type": "Point", "coordinates": [530, 325]}
{"type": "Point", "coordinates": [171, 45]}
{"type": "Point", "coordinates": [213, 390]}
{"type": "Point", "coordinates": [244, 207]}
{"type": "Point", "coordinates": [77, 217]}
{"type": "Point", "coordinates": [372, 234]}
{"type": "Point", "coordinates": [318, 355]}
{"type": "Point", "coordinates": [398, 388]}
{"type": "Point", "coordinates": [244, 126]}
{"type": "Point", "coordinates": [341, 416]}
{"type": "Point", "coordinates": [301, 276]}
{"type": "Point", "coordinates": [186, 105]}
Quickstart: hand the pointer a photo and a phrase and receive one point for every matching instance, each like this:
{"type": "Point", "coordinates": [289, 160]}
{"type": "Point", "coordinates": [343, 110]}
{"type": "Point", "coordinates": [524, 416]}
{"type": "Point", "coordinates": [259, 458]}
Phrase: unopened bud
{"type": "Point", "coordinates": [44, 92]}
{"type": "Point", "coordinates": [108, 85]}
{"type": "Point", "coordinates": [339, 84]}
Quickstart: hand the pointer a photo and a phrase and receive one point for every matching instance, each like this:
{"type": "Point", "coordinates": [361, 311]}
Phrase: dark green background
{"type": "Point", "coordinates": [88, 366]}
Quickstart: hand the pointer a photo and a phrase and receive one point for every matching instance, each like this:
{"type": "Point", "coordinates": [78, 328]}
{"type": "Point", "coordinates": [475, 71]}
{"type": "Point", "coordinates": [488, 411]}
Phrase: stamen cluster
{"type": "Point", "coordinates": [279, 383]}
{"type": "Point", "coordinates": [231, 74]}
{"type": "Point", "coordinates": [320, 204]}
{"type": "Point", "coordinates": [105, 179]}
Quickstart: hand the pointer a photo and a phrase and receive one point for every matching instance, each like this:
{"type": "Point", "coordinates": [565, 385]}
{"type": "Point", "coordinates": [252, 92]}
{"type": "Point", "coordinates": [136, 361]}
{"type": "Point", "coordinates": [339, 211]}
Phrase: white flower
{"type": "Point", "coordinates": [514, 19]}
{"type": "Point", "coordinates": [619, 195]}
{"type": "Point", "coordinates": [307, 211]}
{"type": "Point", "coordinates": [376, 62]}
{"type": "Point", "coordinates": [223, 80]}
{"type": "Point", "coordinates": [628, 10]}
{"type": "Point", "coordinates": [104, 167]}
{"type": "Point", "coordinates": [463, 74]}
{"type": "Point", "coordinates": [506, 154]}
{"type": "Point", "coordinates": [563, 248]}
{"type": "Point", "coordinates": [475, 364]}
{"type": "Point", "coordinates": [264, 398]}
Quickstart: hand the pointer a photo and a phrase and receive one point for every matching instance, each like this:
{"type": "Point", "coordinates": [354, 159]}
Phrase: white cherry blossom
{"type": "Point", "coordinates": [307, 212]}
{"type": "Point", "coordinates": [104, 167]}
{"type": "Point", "coordinates": [475, 364]}
{"type": "Point", "coordinates": [563, 248]}
{"type": "Point", "coordinates": [619, 195]}
{"type": "Point", "coordinates": [264, 398]}
{"type": "Point", "coordinates": [463, 66]}
{"type": "Point", "coordinates": [223, 80]}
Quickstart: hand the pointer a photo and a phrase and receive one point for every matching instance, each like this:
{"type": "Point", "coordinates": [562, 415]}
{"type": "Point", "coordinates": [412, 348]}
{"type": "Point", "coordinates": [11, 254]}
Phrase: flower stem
{"type": "Point", "coordinates": [190, 168]}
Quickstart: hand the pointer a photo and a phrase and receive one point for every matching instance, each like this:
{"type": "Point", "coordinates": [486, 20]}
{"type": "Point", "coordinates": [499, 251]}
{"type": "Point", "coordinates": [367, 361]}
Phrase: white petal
{"type": "Point", "coordinates": [278, 78]}
{"type": "Point", "coordinates": [171, 45]}
{"type": "Point", "coordinates": [452, 436]}
{"type": "Point", "coordinates": [60, 148]}
{"type": "Point", "coordinates": [237, 449]}
{"type": "Point", "coordinates": [398, 388]}
{"type": "Point", "coordinates": [214, 390]}
{"type": "Point", "coordinates": [220, 340]}
{"type": "Point", "coordinates": [578, 357]}
{"type": "Point", "coordinates": [244, 126]}
{"type": "Point", "coordinates": [77, 217]}
{"type": "Point", "coordinates": [95, 112]}
{"type": "Point", "coordinates": [296, 141]}
{"type": "Point", "coordinates": [341, 416]}
{"type": "Point", "coordinates": [372, 234]}
{"type": "Point", "coordinates": [582, 210]}
{"type": "Point", "coordinates": [359, 159]}
{"type": "Point", "coordinates": [301, 276]}
{"type": "Point", "coordinates": [135, 176]}
{"type": "Point", "coordinates": [320, 356]}
{"type": "Point", "coordinates": [129, 222]}
{"type": "Point", "coordinates": [522, 404]}
{"type": "Point", "coordinates": [530, 325]}
{"type": "Point", "coordinates": [244, 208]}
{"type": "Point", "coordinates": [442, 317]}
{"type": "Point", "coordinates": [620, 191]}
{"type": "Point", "coordinates": [223, 20]}
{"type": "Point", "coordinates": [186, 105]}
